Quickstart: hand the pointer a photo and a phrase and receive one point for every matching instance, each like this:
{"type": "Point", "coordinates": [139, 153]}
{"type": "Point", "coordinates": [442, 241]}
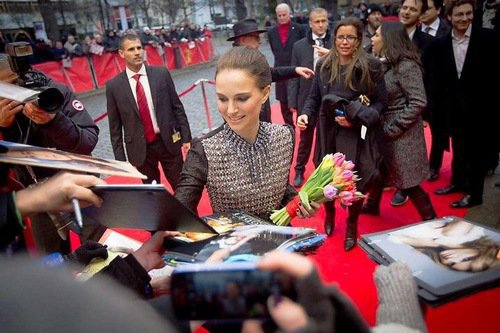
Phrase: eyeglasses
{"type": "Point", "coordinates": [348, 38]}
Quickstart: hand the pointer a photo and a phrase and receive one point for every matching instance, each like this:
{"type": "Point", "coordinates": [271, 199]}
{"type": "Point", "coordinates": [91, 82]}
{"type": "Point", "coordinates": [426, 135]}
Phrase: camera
{"type": "Point", "coordinates": [227, 292]}
{"type": "Point", "coordinates": [49, 99]}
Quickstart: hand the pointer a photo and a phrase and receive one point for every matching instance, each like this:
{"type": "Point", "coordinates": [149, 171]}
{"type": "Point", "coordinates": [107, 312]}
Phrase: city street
{"type": "Point", "coordinates": [95, 102]}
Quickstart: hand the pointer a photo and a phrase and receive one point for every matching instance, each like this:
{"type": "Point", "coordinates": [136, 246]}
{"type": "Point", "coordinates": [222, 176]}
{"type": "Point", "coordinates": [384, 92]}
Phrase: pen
{"type": "Point", "coordinates": [78, 212]}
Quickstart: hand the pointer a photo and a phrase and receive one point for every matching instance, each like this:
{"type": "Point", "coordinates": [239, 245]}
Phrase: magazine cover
{"type": "Point", "coordinates": [447, 255]}
{"type": "Point", "coordinates": [16, 153]}
{"type": "Point", "coordinates": [248, 237]}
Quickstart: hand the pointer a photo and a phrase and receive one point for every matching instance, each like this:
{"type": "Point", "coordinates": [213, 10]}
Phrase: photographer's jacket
{"type": "Point", "coordinates": [72, 129]}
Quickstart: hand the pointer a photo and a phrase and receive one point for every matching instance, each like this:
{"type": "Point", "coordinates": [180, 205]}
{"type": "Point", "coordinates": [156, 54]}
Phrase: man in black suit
{"type": "Point", "coordinates": [433, 24]}
{"type": "Point", "coordinates": [145, 112]}
{"type": "Point", "coordinates": [281, 39]}
{"type": "Point", "coordinates": [306, 52]}
{"type": "Point", "coordinates": [465, 107]}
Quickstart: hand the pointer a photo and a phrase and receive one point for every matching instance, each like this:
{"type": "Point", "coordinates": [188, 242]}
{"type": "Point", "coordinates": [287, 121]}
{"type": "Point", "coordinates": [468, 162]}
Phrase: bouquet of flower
{"type": "Point", "coordinates": [333, 179]}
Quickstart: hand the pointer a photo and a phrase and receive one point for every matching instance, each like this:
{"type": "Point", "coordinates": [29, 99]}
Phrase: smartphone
{"type": "Point", "coordinates": [229, 291]}
{"type": "Point", "coordinates": [339, 113]}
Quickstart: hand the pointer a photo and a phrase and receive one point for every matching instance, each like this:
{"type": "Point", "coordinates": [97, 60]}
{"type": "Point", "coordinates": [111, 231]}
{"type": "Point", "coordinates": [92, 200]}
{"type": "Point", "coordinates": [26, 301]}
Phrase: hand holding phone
{"type": "Point", "coordinates": [230, 291]}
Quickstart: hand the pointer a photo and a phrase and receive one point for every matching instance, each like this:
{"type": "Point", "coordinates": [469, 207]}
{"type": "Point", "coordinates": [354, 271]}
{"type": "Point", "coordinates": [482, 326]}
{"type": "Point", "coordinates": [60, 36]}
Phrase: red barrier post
{"type": "Point", "coordinates": [205, 101]}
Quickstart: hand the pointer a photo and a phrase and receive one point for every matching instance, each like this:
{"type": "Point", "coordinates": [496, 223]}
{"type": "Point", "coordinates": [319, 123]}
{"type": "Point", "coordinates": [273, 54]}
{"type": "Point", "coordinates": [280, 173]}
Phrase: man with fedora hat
{"type": "Point", "coordinates": [247, 33]}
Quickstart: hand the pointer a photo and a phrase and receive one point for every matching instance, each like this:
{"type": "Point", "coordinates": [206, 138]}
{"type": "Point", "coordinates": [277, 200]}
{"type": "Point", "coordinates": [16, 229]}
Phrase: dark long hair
{"type": "Point", "coordinates": [397, 45]}
{"type": "Point", "coordinates": [360, 59]}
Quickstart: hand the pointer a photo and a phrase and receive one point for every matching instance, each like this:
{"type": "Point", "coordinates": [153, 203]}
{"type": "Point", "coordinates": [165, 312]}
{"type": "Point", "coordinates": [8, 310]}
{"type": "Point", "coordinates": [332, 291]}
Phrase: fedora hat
{"type": "Point", "coordinates": [245, 27]}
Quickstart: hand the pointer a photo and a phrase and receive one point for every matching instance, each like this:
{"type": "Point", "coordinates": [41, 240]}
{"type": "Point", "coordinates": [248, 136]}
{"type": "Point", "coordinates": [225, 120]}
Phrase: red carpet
{"type": "Point", "coordinates": [353, 271]}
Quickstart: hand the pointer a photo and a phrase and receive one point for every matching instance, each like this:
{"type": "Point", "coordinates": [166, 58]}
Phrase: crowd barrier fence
{"type": "Point", "coordinates": [90, 73]}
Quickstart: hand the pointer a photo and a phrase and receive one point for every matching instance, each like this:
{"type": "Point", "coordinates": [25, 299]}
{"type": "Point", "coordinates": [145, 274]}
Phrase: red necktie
{"type": "Point", "coordinates": [142, 104]}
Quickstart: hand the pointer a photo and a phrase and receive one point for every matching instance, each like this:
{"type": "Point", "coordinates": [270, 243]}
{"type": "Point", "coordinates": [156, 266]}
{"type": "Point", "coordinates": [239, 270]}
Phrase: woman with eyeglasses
{"type": "Point", "coordinates": [348, 95]}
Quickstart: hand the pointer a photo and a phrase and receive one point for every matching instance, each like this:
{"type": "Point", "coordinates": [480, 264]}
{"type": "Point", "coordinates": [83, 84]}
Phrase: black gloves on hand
{"type": "Point", "coordinates": [88, 251]}
{"type": "Point", "coordinates": [334, 101]}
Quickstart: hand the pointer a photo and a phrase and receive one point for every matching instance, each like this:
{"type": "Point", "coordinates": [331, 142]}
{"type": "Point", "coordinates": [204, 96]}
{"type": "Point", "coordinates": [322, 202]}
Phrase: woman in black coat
{"type": "Point", "coordinates": [342, 77]}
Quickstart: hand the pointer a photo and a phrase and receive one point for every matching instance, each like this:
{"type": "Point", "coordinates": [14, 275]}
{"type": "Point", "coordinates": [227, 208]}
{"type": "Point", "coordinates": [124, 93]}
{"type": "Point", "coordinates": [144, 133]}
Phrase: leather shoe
{"type": "Point", "coordinates": [298, 180]}
{"type": "Point", "coordinates": [447, 190]}
{"type": "Point", "coordinates": [466, 202]}
{"type": "Point", "coordinates": [399, 198]}
{"type": "Point", "coordinates": [433, 175]}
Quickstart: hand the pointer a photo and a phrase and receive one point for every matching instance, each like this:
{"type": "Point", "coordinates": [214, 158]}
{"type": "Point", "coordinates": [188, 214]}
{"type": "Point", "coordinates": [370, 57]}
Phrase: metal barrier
{"type": "Point", "coordinates": [201, 83]}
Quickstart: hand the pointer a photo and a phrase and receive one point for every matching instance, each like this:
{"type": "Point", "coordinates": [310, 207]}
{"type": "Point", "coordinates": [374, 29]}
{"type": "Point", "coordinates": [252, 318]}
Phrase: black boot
{"type": "Point", "coordinates": [371, 205]}
{"type": "Point", "coordinates": [351, 234]}
{"type": "Point", "coordinates": [329, 217]}
{"type": "Point", "coordinates": [422, 203]}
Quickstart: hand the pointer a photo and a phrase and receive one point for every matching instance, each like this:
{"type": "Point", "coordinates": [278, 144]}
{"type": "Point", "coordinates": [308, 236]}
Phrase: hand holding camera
{"type": "Point", "coordinates": [8, 111]}
{"type": "Point", "coordinates": [37, 114]}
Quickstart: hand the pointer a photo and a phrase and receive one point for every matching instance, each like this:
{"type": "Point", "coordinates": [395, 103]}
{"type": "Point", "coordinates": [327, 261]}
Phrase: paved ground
{"type": "Point", "coordinates": [488, 213]}
{"type": "Point", "coordinates": [95, 102]}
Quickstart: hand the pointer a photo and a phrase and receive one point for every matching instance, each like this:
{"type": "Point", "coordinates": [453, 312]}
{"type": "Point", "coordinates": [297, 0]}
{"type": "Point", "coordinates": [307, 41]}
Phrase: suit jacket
{"type": "Point", "coordinates": [303, 55]}
{"type": "Point", "coordinates": [283, 53]}
{"type": "Point", "coordinates": [124, 114]}
{"type": "Point", "coordinates": [466, 105]}
{"type": "Point", "coordinates": [443, 29]}
{"type": "Point", "coordinates": [422, 40]}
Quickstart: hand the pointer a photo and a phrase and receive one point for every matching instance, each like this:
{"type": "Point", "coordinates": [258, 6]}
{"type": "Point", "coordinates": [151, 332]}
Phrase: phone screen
{"type": "Point", "coordinates": [230, 293]}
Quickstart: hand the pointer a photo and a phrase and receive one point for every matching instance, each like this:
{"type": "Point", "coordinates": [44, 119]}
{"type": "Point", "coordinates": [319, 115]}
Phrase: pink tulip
{"type": "Point", "coordinates": [348, 165]}
{"type": "Point", "coordinates": [338, 159]}
{"type": "Point", "coordinates": [346, 198]}
{"type": "Point", "coordinates": [347, 175]}
{"type": "Point", "coordinates": [329, 192]}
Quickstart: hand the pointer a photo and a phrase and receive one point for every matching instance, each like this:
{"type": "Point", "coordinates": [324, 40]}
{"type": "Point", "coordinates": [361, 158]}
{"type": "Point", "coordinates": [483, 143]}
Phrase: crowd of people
{"type": "Point", "coordinates": [97, 43]}
{"type": "Point", "coordinates": [370, 101]}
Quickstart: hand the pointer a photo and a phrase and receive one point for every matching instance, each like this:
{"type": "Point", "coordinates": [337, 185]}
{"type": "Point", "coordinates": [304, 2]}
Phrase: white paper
{"type": "Point", "coordinates": [17, 93]}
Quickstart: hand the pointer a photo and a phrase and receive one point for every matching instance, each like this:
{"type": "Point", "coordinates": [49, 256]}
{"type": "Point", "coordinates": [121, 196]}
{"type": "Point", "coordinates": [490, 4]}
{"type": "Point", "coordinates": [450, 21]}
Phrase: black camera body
{"type": "Point", "coordinates": [49, 99]}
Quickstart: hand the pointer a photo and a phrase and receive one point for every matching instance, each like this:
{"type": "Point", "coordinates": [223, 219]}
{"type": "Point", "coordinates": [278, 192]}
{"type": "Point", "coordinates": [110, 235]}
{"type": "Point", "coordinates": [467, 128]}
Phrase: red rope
{"type": "Point", "coordinates": [188, 90]}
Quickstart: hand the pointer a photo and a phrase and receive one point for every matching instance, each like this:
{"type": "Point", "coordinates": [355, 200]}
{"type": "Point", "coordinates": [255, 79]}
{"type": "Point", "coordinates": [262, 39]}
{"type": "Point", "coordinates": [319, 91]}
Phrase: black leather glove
{"type": "Point", "coordinates": [88, 251]}
{"type": "Point", "coordinates": [334, 100]}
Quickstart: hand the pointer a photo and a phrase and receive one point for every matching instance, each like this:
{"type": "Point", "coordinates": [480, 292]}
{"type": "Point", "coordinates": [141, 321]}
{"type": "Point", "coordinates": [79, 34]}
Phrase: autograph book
{"type": "Point", "coordinates": [153, 207]}
{"type": "Point", "coordinates": [16, 153]}
{"type": "Point", "coordinates": [449, 257]}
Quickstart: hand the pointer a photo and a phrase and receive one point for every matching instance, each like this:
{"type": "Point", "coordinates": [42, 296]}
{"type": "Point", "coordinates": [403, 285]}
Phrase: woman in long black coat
{"type": "Point", "coordinates": [344, 75]}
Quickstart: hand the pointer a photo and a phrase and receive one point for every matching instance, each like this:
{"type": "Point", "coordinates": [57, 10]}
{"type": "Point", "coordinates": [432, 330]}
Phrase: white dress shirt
{"type": "Point", "coordinates": [460, 46]}
{"type": "Point", "coordinates": [147, 90]}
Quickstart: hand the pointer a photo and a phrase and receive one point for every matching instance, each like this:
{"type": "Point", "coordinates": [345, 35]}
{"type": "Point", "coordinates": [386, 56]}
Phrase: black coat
{"type": "Point", "coordinates": [283, 53]}
{"type": "Point", "coordinates": [466, 105]}
{"type": "Point", "coordinates": [364, 152]}
{"type": "Point", "coordinates": [303, 55]}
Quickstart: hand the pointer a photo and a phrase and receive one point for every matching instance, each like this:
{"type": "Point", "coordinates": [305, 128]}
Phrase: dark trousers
{"type": "Point", "coordinates": [468, 166]}
{"type": "Point", "coordinates": [305, 147]}
{"type": "Point", "coordinates": [171, 164]}
{"type": "Point", "coordinates": [437, 151]}
{"type": "Point", "coordinates": [287, 115]}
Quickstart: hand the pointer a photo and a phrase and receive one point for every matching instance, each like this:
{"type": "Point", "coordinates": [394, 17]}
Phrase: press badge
{"type": "Point", "coordinates": [176, 136]}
